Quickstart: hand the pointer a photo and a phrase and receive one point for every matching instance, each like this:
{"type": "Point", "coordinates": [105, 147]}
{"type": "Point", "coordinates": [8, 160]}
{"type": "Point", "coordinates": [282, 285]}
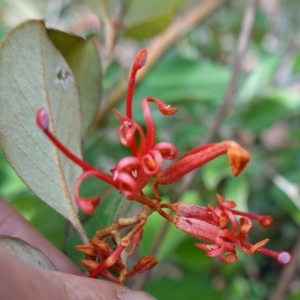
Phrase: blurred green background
{"type": "Point", "coordinates": [193, 75]}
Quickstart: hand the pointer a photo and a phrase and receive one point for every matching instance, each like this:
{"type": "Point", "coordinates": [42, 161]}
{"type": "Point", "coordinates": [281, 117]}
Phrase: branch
{"type": "Point", "coordinates": [110, 34]}
{"type": "Point", "coordinates": [111, 31]}
{"type": "Point", "coordinates": [248, 20]}
{"type": "Point", "coordinates": [159, 45]}
{"type": "Point", "coordinates": [244, 36]}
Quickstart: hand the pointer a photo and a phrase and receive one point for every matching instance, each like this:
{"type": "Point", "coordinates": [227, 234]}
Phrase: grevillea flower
{"type": "Point", "coordinates": [217, 226]}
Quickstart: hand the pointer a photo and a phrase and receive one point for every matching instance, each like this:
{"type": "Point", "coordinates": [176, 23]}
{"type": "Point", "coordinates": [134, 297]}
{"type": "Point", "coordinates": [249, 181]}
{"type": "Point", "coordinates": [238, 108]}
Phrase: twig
{"type": "Point", "coordinates": [109, 27]}
{"type": "Point", "coordinates": [287, 274]}
{"type": "Point", "coordinates": [111, 31]}
{"type": "Point", "coordinates": [159, 45]}
{"type": "Point", "coordinates": [243, 40]}
{"type": "Point", "coordinates": [242, 43]}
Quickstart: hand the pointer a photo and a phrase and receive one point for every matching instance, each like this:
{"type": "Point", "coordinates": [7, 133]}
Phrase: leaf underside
{"type": "Point", "coordinates": [33, 74]}
{"type": "Point", "coordinates": [83, 58]}
{"type": "Point", "coordinates": [26, 252]}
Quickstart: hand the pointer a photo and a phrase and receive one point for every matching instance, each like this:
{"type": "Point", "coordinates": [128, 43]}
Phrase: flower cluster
{"type": "Point", "coordinates": [217, 226]}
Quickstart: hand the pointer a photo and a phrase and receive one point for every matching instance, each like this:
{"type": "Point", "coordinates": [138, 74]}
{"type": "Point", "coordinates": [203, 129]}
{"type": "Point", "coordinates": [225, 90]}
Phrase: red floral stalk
{"type": "Point", "coordinates": [123, 181]}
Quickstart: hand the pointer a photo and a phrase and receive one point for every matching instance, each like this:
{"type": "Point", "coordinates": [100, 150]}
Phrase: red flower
{"type": "Point", "coordinates": [217, 226]}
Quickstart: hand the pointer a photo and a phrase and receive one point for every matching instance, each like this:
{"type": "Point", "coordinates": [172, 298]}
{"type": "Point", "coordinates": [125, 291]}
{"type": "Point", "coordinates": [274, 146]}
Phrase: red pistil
{"type": "Point", "coordinates": [152, 162]}
{"type": "Point", "coordinates": [282, 257]}
{"type": "Point", "coordinates": [139, 62]}
{"type": "Point", "coordinates": [167, 150]}
{"type": "Point", "coordinates": [88, 205]}
{"type": "Point", "coordinates": [264, 221]}
{"type": "Point", "coordinates": [42, 119]}
{"type": "Point", "coordinates": [127, 131]}
{"type": "Point", "coordinates": [163, 108]}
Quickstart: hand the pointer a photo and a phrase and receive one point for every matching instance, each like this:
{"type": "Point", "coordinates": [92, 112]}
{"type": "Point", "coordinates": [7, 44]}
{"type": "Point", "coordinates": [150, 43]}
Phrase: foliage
{"type": "Point", "coordinates": [193, 76]}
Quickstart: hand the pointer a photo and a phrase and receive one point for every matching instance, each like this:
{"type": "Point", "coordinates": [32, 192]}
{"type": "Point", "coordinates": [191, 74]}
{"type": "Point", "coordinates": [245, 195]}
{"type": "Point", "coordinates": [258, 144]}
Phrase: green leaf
{"type": "Point", "coordinates": [33, 74]}
{"type": "Point", "coordinates": [83, 58]}
{"type": "Point", "coordinates": [237, 189]}
{"type": "Point", "coordinates": [183, 284]}
{"type": "Point", "coordinates": [296, 64]}
{"type": "Point", "coordinates": [264, 112]}
{"type": "Point", "coordinates": [10, 184]}
{"type": "Point", "coordinates": [188, 255]}
{"type": "Point", "coordinates": [215, 171]}
{"type": "Point", "coordinates": [171, 239]}
{"type": "Point", "coordinates": [112, 207]}
{"type": "Point", "coordinates": [259, 78]}
{"type": "Point", "coordinates": [41, 216]}
{"type": "Point", "coordinates": [295, 294]}
{"type": "Point", "coordinates": [145, 19]}
{"type": "Point", "coordinates": [26, 252]}
{"type": "Point", "coordinates": [180, 79]}
{"type": "Point", "coordinates": [173, 236]}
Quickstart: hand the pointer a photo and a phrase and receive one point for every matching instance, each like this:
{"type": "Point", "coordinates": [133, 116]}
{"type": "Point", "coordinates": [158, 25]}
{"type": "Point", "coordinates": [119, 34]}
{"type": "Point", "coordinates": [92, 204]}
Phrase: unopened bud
{"type": "Point", "coordinates": [86, 249]}
{"type": "Point", "coordinates": [144, 264]}
{"type": "Point", "coordinates": [100, 246]}
{"type": "Point", "coordinates": [90, 264]}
